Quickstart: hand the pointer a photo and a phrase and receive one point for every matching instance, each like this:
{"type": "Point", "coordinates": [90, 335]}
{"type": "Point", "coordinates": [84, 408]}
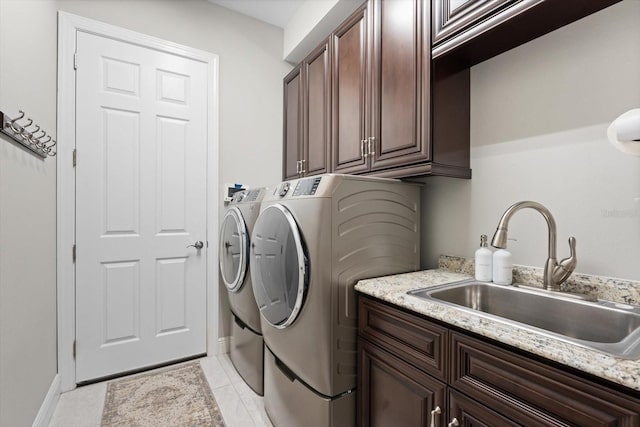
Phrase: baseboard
{"type": "Point", "coordinates": [224, 344]}
{"type": "Point", "coordinates": [49, 404]}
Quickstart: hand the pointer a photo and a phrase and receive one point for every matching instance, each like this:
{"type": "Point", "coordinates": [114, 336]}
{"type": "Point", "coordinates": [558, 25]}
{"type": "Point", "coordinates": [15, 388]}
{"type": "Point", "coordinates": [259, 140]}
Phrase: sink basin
{"type": "Point", "coordinates": [605, 326]}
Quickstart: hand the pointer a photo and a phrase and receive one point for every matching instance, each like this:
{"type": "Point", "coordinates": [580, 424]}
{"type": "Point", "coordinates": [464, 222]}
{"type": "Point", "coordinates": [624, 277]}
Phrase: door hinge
{"type": "Point", "coordinates": [75, 60]}
{"type": "Point", "coordinates": [74, 253]}
{"type": "Point", "coordinates": [75, 157]}
{"type": "Point", "coordinates": [74, 350]}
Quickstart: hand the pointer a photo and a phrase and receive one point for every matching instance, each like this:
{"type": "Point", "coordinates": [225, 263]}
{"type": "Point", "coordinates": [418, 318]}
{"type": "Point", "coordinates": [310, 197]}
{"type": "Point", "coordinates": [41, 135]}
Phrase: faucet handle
{"type": "Point", "coordinates": [572, 248]}
{"type": "Point", "coordinates": [567, 265]}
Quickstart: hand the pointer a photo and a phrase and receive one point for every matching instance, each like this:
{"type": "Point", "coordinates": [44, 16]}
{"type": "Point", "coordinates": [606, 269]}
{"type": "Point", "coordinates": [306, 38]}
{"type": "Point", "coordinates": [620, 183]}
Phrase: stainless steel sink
{"type": "Point", "coordinates": [606, 326]}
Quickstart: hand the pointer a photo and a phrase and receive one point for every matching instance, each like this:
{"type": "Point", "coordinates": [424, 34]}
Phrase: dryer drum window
{"type": "Point", "coordinates": [234, 250]}
{"type": "Point", "coordinates": [278, 266]}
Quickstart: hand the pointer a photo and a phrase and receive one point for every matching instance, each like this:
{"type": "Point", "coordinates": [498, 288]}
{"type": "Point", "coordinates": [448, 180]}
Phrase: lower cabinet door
{"type": "Point", "coordinates": [394, 393]}
{"type": "Point", "coordinates": [469, 413]}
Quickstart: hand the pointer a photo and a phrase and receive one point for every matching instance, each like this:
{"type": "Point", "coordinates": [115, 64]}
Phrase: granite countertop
{"type": "Point", "coordinates": [393, 290]}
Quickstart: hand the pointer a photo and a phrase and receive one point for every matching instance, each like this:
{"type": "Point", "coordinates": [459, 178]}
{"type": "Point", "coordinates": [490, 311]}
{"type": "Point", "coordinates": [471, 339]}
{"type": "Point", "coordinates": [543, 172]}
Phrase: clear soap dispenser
{"type": "Point", "coordinates": [484, 258]}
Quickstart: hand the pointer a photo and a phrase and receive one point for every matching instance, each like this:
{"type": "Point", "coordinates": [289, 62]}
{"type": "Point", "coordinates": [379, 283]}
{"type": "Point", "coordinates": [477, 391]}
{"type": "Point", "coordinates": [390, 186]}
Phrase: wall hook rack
{"type": "Point", "coordinates": [27, 134]}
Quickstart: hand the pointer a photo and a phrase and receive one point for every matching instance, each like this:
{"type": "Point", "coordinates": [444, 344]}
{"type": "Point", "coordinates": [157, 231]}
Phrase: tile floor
{"type": "Point", "coordinates": [239, 405]}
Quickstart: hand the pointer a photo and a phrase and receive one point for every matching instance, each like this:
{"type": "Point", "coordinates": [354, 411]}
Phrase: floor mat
{"type": "Point", "coordinates": [176, 396]}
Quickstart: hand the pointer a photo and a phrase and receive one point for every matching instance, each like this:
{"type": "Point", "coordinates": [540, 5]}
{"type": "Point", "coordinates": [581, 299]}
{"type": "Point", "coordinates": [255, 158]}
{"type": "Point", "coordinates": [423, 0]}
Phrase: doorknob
{"type": "Point", "coordinates": [197, 245]}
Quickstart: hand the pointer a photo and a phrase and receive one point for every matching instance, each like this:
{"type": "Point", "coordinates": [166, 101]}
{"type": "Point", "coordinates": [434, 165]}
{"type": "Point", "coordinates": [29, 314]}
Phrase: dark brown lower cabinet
{"type": "Point", "coordinates": [395, 393]}
{"type": "Point", "coordinates": [486, 383]}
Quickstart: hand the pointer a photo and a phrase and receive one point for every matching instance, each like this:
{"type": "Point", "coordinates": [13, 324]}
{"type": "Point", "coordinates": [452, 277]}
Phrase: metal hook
{"type": "Point", "coordinates": [31, 136]}
{"type": "Point", "coordinates": [50, 147]}
{"type": "Point", "coordinates": [44, 143]}
{"type": "Point", "coordinates": [29, 124]}
{"type": "Point", "coordinates": [18, 118]}
{"type": "Point", "coordinates": [15, 127]}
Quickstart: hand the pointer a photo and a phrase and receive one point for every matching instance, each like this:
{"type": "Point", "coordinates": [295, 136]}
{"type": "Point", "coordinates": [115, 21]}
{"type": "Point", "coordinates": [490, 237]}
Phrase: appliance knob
{"type": "Point", "coordinates": [284, 189]}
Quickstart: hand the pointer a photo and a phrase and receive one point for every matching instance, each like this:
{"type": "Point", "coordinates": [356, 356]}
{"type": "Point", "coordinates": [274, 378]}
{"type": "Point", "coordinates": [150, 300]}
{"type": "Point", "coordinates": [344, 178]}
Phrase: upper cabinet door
{"type": "Point", "coordinates": [349, 97]}
{"type": "Point", "coordinates": [292, 132]}
{"type": "Point", "coordinates": [317, 114]}
{"type": "Point", "coordinates": [453, 16]}
{"type": "Point", "coordinates": [400, 113]}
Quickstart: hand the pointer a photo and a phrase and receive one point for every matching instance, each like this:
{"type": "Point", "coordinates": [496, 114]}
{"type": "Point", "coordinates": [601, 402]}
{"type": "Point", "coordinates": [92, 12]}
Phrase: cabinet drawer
{"type": "Point", "coordinates": [533, 393]}
{"type": "Point", "coordinates": [418, 341]}
{"type": "Point", "coordinates": [470, 413]}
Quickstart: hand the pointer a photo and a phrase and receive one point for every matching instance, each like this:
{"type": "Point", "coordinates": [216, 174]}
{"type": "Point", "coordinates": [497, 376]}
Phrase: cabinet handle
{"type": "Point", "coordinates": [436, 411]}
{"type": "Point", "coordinates": [298, 167]}
{"type": "Point", "coordinates": [454, 423]}
{"type": "Point", "coordinates": [302, 162]}
{"type": "Point", "coordinates": [372, 147]}
{"type": "Point", "coordinates": [362, 152]}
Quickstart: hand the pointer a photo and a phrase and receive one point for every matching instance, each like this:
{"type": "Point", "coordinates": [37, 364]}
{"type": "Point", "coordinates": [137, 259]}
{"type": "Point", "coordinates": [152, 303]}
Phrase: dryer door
{"type": "Point", "coordinates": [234, 249]}
{"type": "Point", "coordinates": [278, 266]}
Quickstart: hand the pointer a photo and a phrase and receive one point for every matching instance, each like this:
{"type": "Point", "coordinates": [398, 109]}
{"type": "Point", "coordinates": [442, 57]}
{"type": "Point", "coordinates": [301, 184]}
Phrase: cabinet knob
{"type": "Point", "coordinates": [454, 423]}
{"type": "Point", "coordinates": [436, 411]}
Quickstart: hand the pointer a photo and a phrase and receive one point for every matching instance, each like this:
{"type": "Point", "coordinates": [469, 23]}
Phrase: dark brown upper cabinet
{"type": "Point", "coordinates": [452, 16]}
{"type": "Point", "coordinates": [389, 93]}
{"type": "Point", "coordinates": [475, 30]}
{"type": "Point", "coordinates": [292, 131]}
{"type": "Point", "coordinates": [307, 115]}
{"type": "Point", "coordinates": [382, 92]}
{"type": "Point", "coordinates": [317, 112]}
{"type": "Point", "coordinates": [350, 78]}
{"type": "Point", "coordinates": [400, 83]}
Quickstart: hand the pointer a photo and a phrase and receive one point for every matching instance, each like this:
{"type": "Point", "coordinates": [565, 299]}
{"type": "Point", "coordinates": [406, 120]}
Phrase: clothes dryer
{"type": "Point", "coordinates": [314, 239]}
{"type": "Point", "coordinates": [246, 345]}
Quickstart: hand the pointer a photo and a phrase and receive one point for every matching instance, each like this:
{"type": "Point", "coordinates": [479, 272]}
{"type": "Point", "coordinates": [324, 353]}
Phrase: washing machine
{"type": "Point", "coordinates": [314, 239]}
{"type": "Point", "coordinates": [246, 345]}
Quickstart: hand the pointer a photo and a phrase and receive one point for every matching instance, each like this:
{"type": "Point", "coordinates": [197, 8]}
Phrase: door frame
{"type": "Point", "coordinates": [68, 27]}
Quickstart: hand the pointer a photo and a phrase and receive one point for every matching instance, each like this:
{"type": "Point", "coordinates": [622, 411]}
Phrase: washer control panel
{"type": "Point", "coordinates": [307, 187]}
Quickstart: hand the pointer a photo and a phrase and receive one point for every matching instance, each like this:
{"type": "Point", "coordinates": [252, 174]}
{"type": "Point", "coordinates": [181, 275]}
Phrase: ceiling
{"type": "Point", "coordinates": [274, 12]}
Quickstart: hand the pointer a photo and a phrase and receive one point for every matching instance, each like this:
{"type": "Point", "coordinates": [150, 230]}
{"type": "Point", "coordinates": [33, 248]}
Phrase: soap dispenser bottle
{"type": "Point", "coordinates": [502, 267]}
{"type": "Point", "coordinates": [484, 258]}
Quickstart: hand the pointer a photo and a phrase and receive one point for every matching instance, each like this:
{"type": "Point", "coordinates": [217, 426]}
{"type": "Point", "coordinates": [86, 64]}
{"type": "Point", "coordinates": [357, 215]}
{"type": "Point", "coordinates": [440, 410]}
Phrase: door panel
{"type": "Point", "coordinates": [171, 289]}
{"type": "Point", "coordinates": [140, 201]}
{"type": "Point", "coordinates": [121, 287]}
{"type": "Point", "coordinates": [171, 176]}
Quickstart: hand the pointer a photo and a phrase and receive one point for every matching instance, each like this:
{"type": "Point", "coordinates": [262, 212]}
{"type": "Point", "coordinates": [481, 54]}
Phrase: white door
{"type": "Point", "coordinates": [141, 140]}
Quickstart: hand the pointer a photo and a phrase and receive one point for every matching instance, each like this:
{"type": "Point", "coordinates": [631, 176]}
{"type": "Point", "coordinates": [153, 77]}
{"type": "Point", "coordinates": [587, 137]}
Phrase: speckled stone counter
{"type": "Point", "coordinates": [393, 289]}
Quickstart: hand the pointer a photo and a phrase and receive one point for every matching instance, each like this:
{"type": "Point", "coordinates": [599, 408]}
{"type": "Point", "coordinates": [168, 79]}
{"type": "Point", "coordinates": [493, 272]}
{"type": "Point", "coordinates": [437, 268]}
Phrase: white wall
{"type": "Point", "coordinates": [27, 214]}
{"type": "Point", "coordinates": [539, 115]}
{"type": "Point", "coordinates": [313, 22]}
{"type": "Point", "coordinates": [251, 72]}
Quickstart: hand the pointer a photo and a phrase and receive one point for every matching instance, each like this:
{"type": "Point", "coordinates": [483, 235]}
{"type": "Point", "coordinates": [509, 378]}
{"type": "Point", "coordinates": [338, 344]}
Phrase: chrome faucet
{"type": "Point", "coordinates": [554, 273]}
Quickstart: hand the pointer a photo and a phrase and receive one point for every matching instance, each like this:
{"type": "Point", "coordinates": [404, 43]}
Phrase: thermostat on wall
{"type": "Point", "coordinates": [230, 190]}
